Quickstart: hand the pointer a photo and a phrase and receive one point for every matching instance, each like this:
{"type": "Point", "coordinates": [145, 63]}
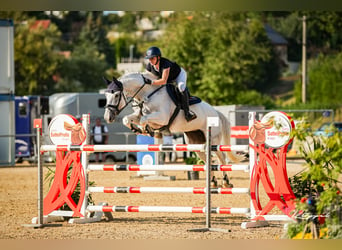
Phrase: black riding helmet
{"type": "Point", "coordinates": [152, 52]}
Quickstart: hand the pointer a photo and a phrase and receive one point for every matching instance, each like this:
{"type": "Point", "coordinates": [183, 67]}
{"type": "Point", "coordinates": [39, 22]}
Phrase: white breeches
{"type": "Point", "coordinates": [181, 80]}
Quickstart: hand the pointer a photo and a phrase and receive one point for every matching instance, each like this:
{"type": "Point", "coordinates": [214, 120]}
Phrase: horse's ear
{"type": "Point", "coordinates": [118, 83]}
{"type": "Point", "coordinates": [106, 80]}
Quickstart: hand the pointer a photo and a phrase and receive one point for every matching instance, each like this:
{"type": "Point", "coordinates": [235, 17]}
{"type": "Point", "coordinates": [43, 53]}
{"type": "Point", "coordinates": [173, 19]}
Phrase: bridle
{"type": "Point", "coordinates": [115, 107]}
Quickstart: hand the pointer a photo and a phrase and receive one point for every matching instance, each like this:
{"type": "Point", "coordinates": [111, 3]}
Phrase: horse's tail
{"type": "Point", "coordinates": [225, 125]}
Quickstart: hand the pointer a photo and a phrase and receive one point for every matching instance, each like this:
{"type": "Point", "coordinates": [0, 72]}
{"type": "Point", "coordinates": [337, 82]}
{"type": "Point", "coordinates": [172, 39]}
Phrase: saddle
{"type": "Point", "coordinates": [175, 96]}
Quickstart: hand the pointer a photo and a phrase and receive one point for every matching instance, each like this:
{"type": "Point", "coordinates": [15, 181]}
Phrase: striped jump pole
{"type": "Point", "coordinates": [164, 209]}
{"type": "Point", "coordinates": [109, 167]}
{"type": "Point", "coordinates": [191, 190]}
{"type": "Point", "coordinates": [143, 148]}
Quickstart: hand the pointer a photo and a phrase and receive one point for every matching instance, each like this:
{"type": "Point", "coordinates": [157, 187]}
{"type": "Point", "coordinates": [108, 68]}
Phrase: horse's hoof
{"type": "Point", "coordinates": [227, 185]}
{"type": "Point", "coordinates": [158, 135]}
{"type": "Point", "coordinates": [213, 185]}
{"type": "Point", "coordinates": [213, 182]}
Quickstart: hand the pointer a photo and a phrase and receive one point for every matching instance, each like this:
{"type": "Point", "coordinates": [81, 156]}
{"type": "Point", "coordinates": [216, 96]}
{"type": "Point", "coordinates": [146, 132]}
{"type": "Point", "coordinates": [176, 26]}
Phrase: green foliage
{"type": "Point", "coordinates": [226, 54]}
{"type": "Point", "coordinates": [89, 60]}
{"type": "Point", "coordinates": [254, 98]}
{"type": "Point", "coordinates": [324, 81]}
{"type": "Point", "coordinates": [323, 31]}
{"type": "Point", "coordinates": [41, 68]}
{"type": "Point", "coordinates": [294, 229]}
{"type": "Point", "coordinates": [36, 58]}
{"type": "Point", "coordinates": [122, 47]}
{"type": "Point", "coordinates": [84, 70]}
{"type": "Point", "coordinates": [317, 187]}
{"type": "Point", "coordinates": [194, 159]}
{"type": "Point", "coordinates": [94, 32]}
{"type": "Point", "coordinates": [128, 23]}
{"type": "Point", "coordinates": [325, 77]}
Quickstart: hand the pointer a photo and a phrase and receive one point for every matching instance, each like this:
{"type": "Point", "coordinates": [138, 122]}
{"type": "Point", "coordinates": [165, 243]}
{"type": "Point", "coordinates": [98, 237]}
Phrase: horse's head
{"type": "Point", "coordinates": [117, 96]}
{"type": "Point", "coordinates": [115, 100]}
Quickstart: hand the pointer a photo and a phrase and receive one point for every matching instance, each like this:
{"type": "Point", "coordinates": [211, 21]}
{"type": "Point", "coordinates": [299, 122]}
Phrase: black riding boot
{"type": "Point", "coordinates": [189, 115]}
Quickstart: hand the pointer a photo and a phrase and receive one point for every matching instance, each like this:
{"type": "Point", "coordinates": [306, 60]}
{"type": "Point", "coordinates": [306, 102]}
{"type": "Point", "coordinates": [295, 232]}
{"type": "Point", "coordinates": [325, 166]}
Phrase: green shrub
{"type": "Point", "coordinates": [318, 188]}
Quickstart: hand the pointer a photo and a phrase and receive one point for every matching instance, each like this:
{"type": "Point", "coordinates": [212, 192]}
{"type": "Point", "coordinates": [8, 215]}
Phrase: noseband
{"type": "Point", "coordinates": [115, 108]}
{"type": "Point", "coordinates": [119, 86]}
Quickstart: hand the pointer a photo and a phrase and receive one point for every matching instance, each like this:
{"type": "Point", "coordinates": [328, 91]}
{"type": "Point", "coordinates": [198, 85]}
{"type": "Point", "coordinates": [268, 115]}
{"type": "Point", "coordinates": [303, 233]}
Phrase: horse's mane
{"type": "Point", "coordinates": [137, 75]}
{"type": "Point", "coordinates": [128, 75]}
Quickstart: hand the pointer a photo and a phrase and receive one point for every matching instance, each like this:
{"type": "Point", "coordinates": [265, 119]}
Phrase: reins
{"type": "Point", "coordinates": [135, 94]}
{"type": "Point", "coordinates": [140, 104]}
{"type": "Point", "coordinates": [127, 102]}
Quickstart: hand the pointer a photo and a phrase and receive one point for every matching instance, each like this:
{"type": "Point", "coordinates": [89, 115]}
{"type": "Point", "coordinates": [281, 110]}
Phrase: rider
{"type": "Point", "coordinates": [168, 72]}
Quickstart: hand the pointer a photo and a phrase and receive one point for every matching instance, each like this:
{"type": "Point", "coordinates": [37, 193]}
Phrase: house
{"type": "Point", "coordinates": [279, 43]}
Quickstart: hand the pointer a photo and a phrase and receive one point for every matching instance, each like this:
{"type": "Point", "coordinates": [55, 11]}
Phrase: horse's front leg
{"type": "Point", "coordinates": [155, 119]}
{"type": "Point", "coordinates": [129, 119]}
{"type": "Point", "coordinates": [132, 122]}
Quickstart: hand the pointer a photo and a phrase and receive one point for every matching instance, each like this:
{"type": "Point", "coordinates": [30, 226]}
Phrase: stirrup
{"type": "Point", "coordinates": [190, 116]}
{"type": "Point", "coordinates": [149, 130]}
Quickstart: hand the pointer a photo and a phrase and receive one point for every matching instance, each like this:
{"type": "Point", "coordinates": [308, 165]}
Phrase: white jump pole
{"type": "Point", "coordinates": [143, 148]}
{"type": "Point", "coordinates": [142, 190]}
{"type": "Point", "coordinates": [115, 167]}
{"type": "Point", "coordinates": [85, 160]}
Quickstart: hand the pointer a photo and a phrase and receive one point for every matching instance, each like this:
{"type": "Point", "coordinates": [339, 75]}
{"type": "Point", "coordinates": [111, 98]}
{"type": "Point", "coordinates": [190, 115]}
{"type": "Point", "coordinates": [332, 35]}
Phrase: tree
{"type": "Point", "coordinates": [85, 68]}
{"type": "Point", "coordinates": [325, 81]}
{"type": "Point", "coordinates": [128, 23]}
{"type": "Point", "coordinates": [94, 31]}
{"type": "Point", "coordinates": [36, 58]}
{"type": "Point", "coordinates": [323, 31]}
{"type": "Point", "coordinates": [224, 54]}
{"type": "Point", "coordinates": [122, 47]}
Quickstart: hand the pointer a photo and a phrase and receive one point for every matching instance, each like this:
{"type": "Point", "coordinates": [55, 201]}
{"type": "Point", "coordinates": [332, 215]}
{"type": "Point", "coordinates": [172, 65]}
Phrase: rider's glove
{"type": "Point", "coordinates": [147, 81]}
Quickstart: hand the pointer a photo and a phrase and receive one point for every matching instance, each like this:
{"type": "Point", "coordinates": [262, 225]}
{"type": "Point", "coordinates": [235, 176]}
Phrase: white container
{"type": "Point", "coordinates": [7, 128]}
{"type": "Point", "coordinates": [7, 57]}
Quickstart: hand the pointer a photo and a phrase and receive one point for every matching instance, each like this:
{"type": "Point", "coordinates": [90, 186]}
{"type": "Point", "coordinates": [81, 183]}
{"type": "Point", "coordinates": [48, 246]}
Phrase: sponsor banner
{"type": "Point", "coordinates": [65, 129]}
{"type": "Point", "coordinates": [278, 134]}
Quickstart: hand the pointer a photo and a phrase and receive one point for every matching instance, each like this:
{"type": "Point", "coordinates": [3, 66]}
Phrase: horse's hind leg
{"type": "Point", "coordinates": [213, 181]}
{"type": "Point", "coordinates": [225, 179]}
